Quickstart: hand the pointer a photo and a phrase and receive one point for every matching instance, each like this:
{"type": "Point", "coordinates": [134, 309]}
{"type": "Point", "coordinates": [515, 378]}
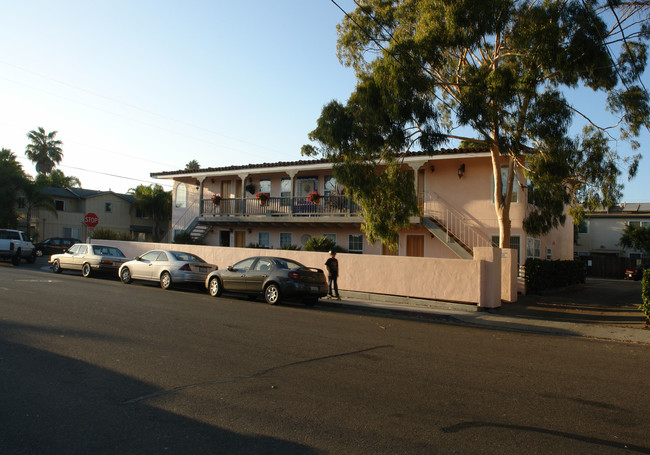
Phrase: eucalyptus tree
{"type": "Point", "coordinates": [35, 198]}
{"type": "Point", "coordinates": [504, 72]}
{"type": "Point", "coordinates": [44, 150]}
{"type": "Point", "coordinates": [153, 201]}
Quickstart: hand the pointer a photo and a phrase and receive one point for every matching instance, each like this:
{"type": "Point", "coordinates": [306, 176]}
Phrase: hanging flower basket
{"type": "Point", "coordinates": [263, 198]}
{"type": "Point", "coordinates": [313, 197]}
{"type": "Point", "coordinates": [216, 199]}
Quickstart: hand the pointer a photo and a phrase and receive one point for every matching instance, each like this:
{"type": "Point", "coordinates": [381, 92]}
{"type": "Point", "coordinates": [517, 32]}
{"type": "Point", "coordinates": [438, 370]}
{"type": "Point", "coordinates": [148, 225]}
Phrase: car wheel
{"type": "Point", "coordinates": [215, 288]}
{"type": "Point", "coordinates": [272, 294]}
{"type": "Point", "coordinates": [56, 266]}
{"type": "Point", "coordinates": [85, 270]}
{"type": "Point", "coordinates": [15, 260]}
{"type": "Point", "coordinates": [125, 275]}
{"type": "Point", "coordinates": [39, 253]}
{"type": "Point", "coordinates": [165, 281]}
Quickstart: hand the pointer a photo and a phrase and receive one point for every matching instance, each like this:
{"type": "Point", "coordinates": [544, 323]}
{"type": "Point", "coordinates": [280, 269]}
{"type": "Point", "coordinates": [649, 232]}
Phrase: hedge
{"type": "Point", "coordinates": [543, 275]}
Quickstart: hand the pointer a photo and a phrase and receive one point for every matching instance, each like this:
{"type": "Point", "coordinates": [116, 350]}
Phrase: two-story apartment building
{"type": "Point", "coordinates": [114, 210]}
{"type": "Point", "coordinates": [454, 187]}
{"type": "Point", "coordinates": [601, 231]}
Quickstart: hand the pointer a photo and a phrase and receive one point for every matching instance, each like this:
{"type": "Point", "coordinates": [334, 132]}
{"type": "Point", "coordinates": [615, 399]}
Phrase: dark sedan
{"type": "Point", "coordinates": [54, 245]}
{"type": "Point", "coordinates": [273, 277]}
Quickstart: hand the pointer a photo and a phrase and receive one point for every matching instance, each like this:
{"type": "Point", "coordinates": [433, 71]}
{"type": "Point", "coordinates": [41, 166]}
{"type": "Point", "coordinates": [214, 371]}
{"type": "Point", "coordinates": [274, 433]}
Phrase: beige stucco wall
{"type": "Point", "coordinates": [456, 280]}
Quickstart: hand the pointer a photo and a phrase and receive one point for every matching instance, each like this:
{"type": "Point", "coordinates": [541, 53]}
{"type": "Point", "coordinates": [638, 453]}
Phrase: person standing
{"type": "Point", "coordinates": [332, 265]}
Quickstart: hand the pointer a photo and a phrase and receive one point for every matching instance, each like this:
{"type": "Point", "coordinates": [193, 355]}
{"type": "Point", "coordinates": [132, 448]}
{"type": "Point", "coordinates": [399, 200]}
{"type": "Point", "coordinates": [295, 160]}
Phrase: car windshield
{"type": "Point", "coordinates": [181, 256]}
{"type": "Point", "coordinates": [289, 264]}
{"type": "Point", "coordinates": [107, 251]}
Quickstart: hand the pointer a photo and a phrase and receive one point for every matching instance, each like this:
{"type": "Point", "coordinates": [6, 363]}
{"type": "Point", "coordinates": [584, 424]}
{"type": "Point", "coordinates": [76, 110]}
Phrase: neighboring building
{"type": "Point", "coordinates": [114, 210]}
{"type": "Point", "coordinates": [454, 188]}
{"type": "Point", "coordinates": [601, 231]}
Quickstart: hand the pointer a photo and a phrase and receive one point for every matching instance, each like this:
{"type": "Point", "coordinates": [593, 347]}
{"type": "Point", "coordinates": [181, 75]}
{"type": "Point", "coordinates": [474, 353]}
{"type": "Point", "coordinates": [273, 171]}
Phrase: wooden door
{"type": "Point", "coordinates": [240, 239]}
{"type": "Point", "coordinates": [415, 245]}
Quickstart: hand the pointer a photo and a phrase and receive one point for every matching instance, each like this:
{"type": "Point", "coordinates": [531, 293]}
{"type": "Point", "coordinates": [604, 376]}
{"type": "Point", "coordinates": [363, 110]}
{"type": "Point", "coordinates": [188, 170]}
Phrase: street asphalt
{"type": "Point", "coordinates": [601, 309]}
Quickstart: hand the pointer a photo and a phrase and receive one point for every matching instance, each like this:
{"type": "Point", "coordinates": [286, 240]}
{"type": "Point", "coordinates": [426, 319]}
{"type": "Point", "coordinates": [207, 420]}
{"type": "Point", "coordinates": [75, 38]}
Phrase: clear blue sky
{"type": "Point", "coordinates": [135, 87]}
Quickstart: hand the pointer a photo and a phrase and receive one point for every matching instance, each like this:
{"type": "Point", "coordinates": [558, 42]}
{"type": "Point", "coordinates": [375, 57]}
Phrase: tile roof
{"type": "Point", "coordinates": [456, 151]}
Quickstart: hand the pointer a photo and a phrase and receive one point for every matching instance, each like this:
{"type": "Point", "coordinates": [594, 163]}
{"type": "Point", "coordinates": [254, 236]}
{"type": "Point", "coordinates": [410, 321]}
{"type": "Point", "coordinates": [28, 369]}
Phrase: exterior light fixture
{"type": "Point", "coordinates": [461, 170]}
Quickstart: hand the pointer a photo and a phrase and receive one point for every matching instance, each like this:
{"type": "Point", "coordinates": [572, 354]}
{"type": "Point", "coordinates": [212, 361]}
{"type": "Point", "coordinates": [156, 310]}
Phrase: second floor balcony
{"type": "Point", "coordinates": [281, 207]}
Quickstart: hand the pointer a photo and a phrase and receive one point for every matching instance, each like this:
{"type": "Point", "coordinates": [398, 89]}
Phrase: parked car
{"type": "Point", "coordinates": [15, 245]}
{"type": "Point", "coordinates": [89, 258]}
{"type": "Point", "coordinates": [54, 245]}
{"type": "Point", "coordinates": [635, 273]}
{"type": "Point", "coordinates": [273, 277]}
{"type": "Point", "coordinates": [167, 267]}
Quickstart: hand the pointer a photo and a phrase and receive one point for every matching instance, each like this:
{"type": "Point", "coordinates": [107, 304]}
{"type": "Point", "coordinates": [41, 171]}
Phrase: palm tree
{"type": "Point", "coordinates": [44, 151]}
{"type": "Point", "coordinates": [58, 179]}
{"type": "Point", "coordinates": [193, 165]}
{"type": "Point", "coordinates": [153, 200]}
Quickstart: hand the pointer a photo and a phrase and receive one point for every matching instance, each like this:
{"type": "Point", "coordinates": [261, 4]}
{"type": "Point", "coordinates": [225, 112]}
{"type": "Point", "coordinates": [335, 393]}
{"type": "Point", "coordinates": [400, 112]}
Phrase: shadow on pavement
{"type": "Point", "coordinates": [50, 404]}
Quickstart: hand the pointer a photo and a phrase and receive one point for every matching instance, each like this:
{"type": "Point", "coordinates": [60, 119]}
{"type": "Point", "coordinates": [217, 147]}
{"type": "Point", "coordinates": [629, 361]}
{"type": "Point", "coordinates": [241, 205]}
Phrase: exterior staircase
{"type": "Point", "coordinates": [198, 229]}
{"type": "Point", "coordinates": [453, 228]}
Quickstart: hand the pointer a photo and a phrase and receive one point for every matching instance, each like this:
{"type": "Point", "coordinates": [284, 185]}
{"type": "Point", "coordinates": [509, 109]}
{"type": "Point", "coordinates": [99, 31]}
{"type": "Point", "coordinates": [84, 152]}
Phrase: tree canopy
{"type": "Point", "coordinates": [58, 179]}
{"type": "Point", "coordinates": [13, 179]}
{"type": "Point", "coordinates": [636, 237]}
{"type": "Point", "coordinates": [193, 165]}
{"type": "Point", "coordinates": [44, 150]}
{"type": "Point", "coordinates": [501, 72]}
{"type": "Point", "coordinates": [154, 201]}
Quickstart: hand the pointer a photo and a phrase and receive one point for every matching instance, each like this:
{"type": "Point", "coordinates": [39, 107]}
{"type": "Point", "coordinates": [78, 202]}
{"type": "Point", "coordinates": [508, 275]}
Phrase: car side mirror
{"type": "Point", "coordinates": [231, 268]}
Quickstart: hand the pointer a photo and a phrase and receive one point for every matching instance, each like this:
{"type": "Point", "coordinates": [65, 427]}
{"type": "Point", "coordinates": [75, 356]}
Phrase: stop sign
{"type": "Point", "coordinates": [91, 220]}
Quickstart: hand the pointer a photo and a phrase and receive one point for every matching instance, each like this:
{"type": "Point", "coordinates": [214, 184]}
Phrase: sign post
{"type": "Point", "coordinates": [91, 220]}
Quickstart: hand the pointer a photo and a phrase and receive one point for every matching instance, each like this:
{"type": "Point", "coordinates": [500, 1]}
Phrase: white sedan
{"type": "Point", "coordinates": [167, 267]}
{"type": "Point", "coordinates": [89, 258]}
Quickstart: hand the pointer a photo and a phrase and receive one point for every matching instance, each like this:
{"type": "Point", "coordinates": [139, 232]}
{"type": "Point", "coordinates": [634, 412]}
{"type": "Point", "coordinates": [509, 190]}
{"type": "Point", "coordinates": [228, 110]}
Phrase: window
{"type": "Point", "coordinates": [643, 224]}
{"type": "Point", "coordinates": [264, 239]}
{"type": "Point", "coordinates": [108, 207]}
{"type": "Point", "coordinates": [73, 249]}
{"type": "Point", "coordinates": [355, 243]}
{"type": "Point", "coordinates": [583, 227]}
{"type": "Point", "coordinates": [265, 186]}
{"type": "Point", "coordinates": [243, 266]}
{"type": "Point", "coordinates": [504, 180]}
{"type": "Point", "coordinates": [59, 205]}
{"type": "Point", "coordinates": [150, 256]}
{"type": "Point", "coordinates": [21, 202]}
{"type": "Point", "coordinates": [533, 248]}
{"type": "Point", "coordinates": [331, 188]}
{"type": "Point", "coordinates": [285, 192]}
{"type": "Point", "coordinates": [549, 254]}
{"type": "Point", "coordinates": [263, 265]}
{"type": "Point", "coordinates": [181, 196]}
{"type": "Point", "coordinates": [72, 232]}
{"type": "Point", "coordinates": [286, 239]}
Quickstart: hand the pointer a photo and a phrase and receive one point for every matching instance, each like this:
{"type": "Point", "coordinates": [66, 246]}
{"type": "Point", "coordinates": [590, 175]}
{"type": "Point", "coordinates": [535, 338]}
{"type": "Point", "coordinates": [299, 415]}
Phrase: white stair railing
{"type": "Point", "coordinates": [190, 214]}
{"type": "Point", "coordinates": [455, 223]}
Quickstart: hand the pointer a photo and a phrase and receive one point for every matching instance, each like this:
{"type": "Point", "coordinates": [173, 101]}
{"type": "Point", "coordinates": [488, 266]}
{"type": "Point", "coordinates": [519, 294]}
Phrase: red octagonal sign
{"type": "Point", "coordinates": [91, 220]}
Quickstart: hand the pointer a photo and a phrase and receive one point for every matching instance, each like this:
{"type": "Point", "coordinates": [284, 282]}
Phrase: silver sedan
{"type": "Point", "coordinates": [167, 267]}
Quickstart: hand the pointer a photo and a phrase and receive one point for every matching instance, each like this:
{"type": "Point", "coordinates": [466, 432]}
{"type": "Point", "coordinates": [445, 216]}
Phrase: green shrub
{"type": "Point", "coordinates": [542, 275]}
{"type": "Point", "coordinates": [321, 244]}
{"type": "Point", "coordinates": [109, 234]}
{"type": "Point", "coordinates": [645, 295]}
{"type": "Point", "coordinates": [290, 247]}
{"type": "Point", "coordinates": [185, 238]}
{"type": "Point", "coordinates": [257, 245]}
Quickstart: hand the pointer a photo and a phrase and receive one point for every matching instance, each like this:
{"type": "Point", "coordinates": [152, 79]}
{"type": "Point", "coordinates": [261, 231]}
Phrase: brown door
{"type": "Point", "coordinates": [240, 239]}
{"type": "Point", "coordinates": [415, 245]}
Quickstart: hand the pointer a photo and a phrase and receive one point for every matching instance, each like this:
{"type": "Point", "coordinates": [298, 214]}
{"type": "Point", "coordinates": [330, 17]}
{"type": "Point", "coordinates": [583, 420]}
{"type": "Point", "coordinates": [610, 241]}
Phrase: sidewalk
{"type": "Point", "coordinates": [603, 309]}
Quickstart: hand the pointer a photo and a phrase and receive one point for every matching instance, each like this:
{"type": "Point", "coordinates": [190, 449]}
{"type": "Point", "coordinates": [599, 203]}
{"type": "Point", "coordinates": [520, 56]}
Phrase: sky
{"type": "Point", "coordinates": [140, 86]}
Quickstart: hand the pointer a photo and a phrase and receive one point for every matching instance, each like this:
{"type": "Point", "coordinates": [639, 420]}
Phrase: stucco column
{"type": "Point", "coordinates": [490, 259]}
{"type": "Point", "coordinates": [416, 165]}
{"type": "Point", "coordinates": [201, 183]}
{"type": "Point", "coordinates": [243, 178]}
{"type": "Point", "coordinates": [292, 175]}
{"type": "Point", "coordinates": [509, 274]}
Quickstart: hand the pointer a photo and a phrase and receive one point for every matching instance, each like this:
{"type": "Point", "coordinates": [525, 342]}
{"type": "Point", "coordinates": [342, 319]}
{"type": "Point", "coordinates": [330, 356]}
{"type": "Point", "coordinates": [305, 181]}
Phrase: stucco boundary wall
{"type": "Point", "coordinates": [453, 280]}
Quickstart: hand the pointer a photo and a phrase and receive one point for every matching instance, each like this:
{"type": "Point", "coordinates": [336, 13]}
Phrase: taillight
{"type": "Point", "coordinates": [186, 268]}
{"type": "Point", "coordinates": [294, 276]}
{"type": "Point", "coordinates": [105, 262]}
